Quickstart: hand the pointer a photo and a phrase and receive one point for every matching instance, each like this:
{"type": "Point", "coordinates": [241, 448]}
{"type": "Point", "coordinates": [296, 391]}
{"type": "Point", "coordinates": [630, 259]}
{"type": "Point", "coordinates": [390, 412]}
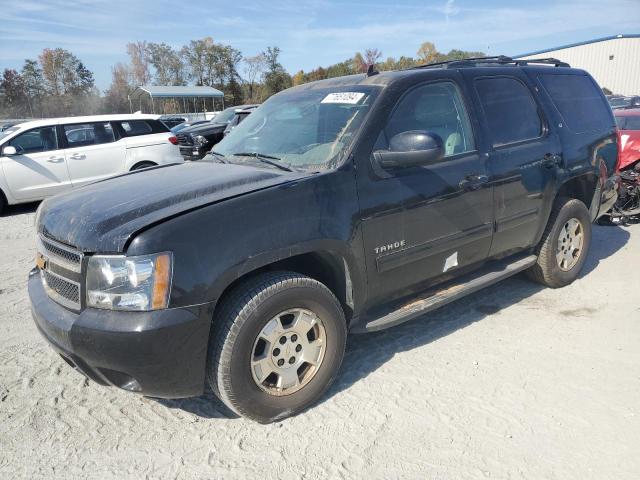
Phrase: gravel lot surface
{"type": "Point", "coordinates": [516, 381]}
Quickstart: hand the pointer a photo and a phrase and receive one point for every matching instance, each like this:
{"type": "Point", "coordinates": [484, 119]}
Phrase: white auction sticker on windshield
{"type": "Point", "coordinates": [343, 97]}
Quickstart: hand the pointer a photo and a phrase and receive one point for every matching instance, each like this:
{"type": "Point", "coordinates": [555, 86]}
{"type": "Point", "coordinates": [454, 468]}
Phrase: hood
{"type": "Point", "coordinates": [104, 216]}
{"type": "Point", "coordinates": [203, 128]}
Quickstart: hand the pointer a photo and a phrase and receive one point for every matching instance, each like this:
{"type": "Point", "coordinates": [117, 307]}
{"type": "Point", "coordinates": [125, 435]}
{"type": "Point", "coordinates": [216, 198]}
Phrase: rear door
{"type": "Point", "coordinates": [93, 151]}
{"type": "Point", "coordinates": [147, 141]}
{"type": "Point", "coordinates": [39, 169]}
{"type": "Point", "coordinates": [422, 222]}
{"type": "Point", "coordinates": [523, 157]}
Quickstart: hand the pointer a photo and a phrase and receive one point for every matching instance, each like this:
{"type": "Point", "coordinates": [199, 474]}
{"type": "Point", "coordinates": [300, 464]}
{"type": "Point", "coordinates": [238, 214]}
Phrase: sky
{"type": "Point", "coordinates": [309, 33]}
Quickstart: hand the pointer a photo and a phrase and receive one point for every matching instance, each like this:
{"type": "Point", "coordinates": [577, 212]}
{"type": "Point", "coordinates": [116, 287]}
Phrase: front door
{"type": "Point", "coordinates": [38, 170]}
{"type": "Point", "coordinates": [93, 152]}
{"type": "Point", "coordinates": [420, 223]}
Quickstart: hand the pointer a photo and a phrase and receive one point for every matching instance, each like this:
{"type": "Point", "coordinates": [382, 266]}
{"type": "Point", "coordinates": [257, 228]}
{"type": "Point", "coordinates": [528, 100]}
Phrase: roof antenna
{"type": "Point", "coordinates": [371, 70]}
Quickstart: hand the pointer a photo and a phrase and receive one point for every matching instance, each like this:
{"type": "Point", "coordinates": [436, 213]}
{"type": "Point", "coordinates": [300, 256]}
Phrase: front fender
{"type": "Point", "coordinates": [215, 245]}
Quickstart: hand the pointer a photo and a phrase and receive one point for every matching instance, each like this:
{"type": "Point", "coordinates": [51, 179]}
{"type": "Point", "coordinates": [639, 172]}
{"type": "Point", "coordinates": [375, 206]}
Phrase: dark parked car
{"type": "Point", "coordinates": [172, 120]}
{"type": "Point", "coordinates": [238, 118]}
{"type": "Point", "coordinates": [183, 125]}
{"type": "Point", "coordinates": [351, 204]}
{"type": "Point", "coordinates": [196, 141]}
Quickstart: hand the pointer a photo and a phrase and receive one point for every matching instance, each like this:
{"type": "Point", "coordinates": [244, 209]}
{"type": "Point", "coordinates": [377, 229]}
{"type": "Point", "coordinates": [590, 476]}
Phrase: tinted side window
{"type": "Point", "coordinates": [620, 122]}
{"type": "Point", "coordinates": [436, 108]}
{"type": "Point", "coordinates": [84, 134]}
{"type": "Point", "coordinates": [511, 111]}
{"type": "Point", "coordinates": [579, 102]}
{"type": "Point", "coordinates": [632, 123]}
{"type": "Point", "coordinates": [41, 139]}
{"type": "Point", "coordinates": [133, 128]}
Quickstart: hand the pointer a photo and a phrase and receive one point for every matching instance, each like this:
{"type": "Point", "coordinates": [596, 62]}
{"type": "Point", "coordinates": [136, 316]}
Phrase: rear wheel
{"type": "Point", "coordinates": [142, 165]}
{"type": "Point", "coordinates": [276, 345]}
{"type": "Point", "coordinates": [564, 246]}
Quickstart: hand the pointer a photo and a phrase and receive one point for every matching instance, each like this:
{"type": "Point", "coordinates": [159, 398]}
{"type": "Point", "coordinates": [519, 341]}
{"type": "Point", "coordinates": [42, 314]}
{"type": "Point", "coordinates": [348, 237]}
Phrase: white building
{"type": "Point", "coordinates": [613, 61]}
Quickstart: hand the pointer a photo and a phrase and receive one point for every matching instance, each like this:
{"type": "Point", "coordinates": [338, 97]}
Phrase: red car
{"type": "Point", "coordinates": [629, 125]}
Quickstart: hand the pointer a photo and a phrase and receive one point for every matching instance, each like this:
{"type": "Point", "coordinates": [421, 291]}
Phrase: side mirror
{"type": "Point", "coordinates": [9, 151]}
{"type": "Point", "coordinates": [411, 149]}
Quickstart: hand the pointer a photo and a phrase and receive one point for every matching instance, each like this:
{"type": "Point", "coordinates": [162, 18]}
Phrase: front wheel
{"type": "Point", "coordinates": [276, 345]}
{"type": "Point", "coordinates": [564, 246]}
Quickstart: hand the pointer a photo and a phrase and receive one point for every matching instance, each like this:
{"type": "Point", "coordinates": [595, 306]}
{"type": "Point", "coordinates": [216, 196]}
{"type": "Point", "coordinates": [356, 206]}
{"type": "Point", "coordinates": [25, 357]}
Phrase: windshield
{"type": "Point", "coordinates": [303, 129]}
{"type": "Point", "coordinates": [225, 116]}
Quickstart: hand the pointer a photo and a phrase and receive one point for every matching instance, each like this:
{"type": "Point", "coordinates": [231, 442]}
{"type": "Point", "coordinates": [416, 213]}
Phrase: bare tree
{"type": "Point", "coordinates": [140, 62]}
{"type": "Point", "coordinates": [253, 70]}
{"type": "Point", "coordinates": [116, 97]}
{"type": "Point", "coordinates": [372, 55]}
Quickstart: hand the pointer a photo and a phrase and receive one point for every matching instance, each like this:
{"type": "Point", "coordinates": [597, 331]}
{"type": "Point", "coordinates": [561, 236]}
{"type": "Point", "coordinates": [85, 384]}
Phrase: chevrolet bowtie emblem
{"type": "Point", "coordinates": [41, 261]}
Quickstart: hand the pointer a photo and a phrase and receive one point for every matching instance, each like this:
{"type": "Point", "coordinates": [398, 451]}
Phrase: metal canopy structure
{"type": "Point", "coordinates": [186, 94]}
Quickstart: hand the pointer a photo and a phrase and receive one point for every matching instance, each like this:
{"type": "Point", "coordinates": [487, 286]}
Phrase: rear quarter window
{"type": "Point", "coordinates": [579, 101]}
{"type": "Point", "coordinates": [134, 128]}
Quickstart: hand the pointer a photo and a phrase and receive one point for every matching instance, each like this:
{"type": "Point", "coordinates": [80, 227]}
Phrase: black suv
{"type": "Point", "coordinates": [348, 204]}
{"type": "Point", "coordinates": [197, 140]}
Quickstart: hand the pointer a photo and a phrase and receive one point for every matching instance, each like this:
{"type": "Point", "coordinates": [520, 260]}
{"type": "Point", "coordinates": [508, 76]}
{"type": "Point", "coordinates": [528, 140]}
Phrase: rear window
{"type": "Point", "coordinates": [511, 111]}
{"type": "Point", "coordinates": [628, 123]}
{"type": "Point", "coordinates": [579, 102]}
{"type": "Point", "coordinates": [133, 128]}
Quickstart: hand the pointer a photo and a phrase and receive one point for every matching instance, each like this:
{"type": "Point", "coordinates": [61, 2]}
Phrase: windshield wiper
{"type": "Point", "coordinates": [219, 155]}
{"type": "Point", "coordinates": [264, 158]}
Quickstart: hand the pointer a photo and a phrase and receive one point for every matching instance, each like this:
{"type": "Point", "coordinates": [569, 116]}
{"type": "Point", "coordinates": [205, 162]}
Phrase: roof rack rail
{"type": "Point", "coordinates": [496, 60]}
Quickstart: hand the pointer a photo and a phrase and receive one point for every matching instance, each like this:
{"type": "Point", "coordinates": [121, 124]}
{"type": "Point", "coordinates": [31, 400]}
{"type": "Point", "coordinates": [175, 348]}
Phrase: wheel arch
{"type": "Point", "coordinates": [142, 162]}
{"type": "Point", "coordinates": [582, 187]}
{"type": "Point", "coordinates": [326, 266]}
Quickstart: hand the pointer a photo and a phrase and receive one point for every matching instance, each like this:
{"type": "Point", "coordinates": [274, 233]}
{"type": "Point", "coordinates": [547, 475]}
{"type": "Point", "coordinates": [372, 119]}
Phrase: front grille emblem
{"type": "Point", "coordinates": [41, 261]}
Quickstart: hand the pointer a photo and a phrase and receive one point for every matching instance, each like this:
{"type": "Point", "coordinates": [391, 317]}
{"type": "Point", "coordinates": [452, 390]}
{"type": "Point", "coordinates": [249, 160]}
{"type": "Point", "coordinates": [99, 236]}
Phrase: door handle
{"type": "Point", "coordinates": [77, 156]}
{"type": "Point", "coordinates": [55, 159]}
{"type": "Point", "coordinates": [551, 160]}
{"type": "Point", "coordinates": [473, 182]}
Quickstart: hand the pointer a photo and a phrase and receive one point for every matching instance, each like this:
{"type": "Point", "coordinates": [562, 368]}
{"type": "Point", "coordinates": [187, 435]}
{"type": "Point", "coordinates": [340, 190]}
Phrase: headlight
{"type": "Point", "coordinates": [129, 283]}
{"type": "Point", "coordinates": [200, 141]}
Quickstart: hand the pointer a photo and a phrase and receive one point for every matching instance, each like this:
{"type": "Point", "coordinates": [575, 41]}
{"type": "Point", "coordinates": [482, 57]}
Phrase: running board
{"type": "Point", "coordinates": [454, 290]}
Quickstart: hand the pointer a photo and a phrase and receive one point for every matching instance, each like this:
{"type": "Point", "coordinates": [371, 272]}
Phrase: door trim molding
{"type": "Point", "coordinates": [414, 253]}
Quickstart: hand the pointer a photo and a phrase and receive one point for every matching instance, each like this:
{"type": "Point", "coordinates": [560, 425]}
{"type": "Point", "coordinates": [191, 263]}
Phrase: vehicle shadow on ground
{"type": "Point", "coordinates": [366, 353]}
{"type": "Point", "coordinates": [205, 406]}
{"type": "Point", "coordinates": [20, 209]}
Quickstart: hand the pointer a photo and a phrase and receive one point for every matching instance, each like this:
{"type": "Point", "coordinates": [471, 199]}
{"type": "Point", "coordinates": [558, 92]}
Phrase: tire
{"type": "Point", "coordinates": [3, 202]}
{"type": "Point", "coordinates": [238, 328]}
{"type": "Point", "coordinates": [142, 165]}
{"type": "Point", "coordinates": [548, 270]}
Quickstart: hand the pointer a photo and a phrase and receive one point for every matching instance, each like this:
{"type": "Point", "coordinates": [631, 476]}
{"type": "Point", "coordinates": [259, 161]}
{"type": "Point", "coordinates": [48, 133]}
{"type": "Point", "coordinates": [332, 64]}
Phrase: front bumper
{"type": "Point", "coordinates": [161, 353]}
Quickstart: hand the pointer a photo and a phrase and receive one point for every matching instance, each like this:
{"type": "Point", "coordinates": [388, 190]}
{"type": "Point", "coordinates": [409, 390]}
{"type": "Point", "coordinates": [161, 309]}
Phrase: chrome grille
{"type": "Point", "coordinates": [61, 254]}
{"type": "Point", "coordinates": [61, 268]}
{"type": "Point", "coordinates": [64, 291]}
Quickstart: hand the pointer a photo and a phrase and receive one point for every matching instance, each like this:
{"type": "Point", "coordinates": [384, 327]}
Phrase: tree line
{"type": "Point", "coordinates": [58, 83]}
